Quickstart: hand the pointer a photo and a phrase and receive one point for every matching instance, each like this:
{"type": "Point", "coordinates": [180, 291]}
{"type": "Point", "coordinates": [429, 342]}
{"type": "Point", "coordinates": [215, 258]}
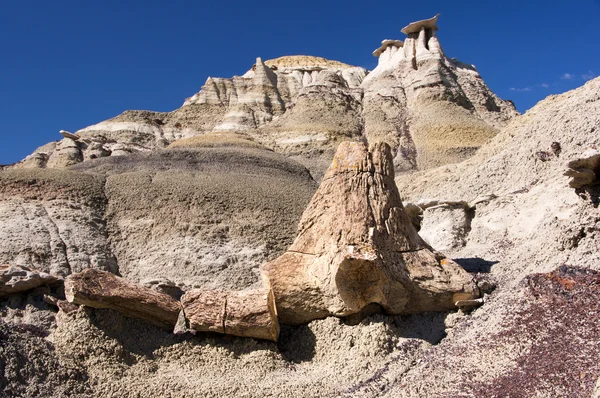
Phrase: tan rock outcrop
{"type": "Point", "coordinates": [15, 279]}
{"type": "Point", "coordinates": [431, 109]}
{"type": "Point", "coordinates": [585, 169]}
{"type": "Point", "coordinates": [245, 314]}
{"type": "Point", "coordinates": [100, 289]}
{"type": "Point", "coordinates": [415, 27]}
{"type": "Point", "coordinates": [356, 246]}
{"type": "Point", "coordinates": [67, 153]}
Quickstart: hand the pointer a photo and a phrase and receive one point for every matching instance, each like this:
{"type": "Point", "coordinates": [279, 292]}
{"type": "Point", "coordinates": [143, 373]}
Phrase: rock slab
{"type": "Point", "coordinates": [15, 279]}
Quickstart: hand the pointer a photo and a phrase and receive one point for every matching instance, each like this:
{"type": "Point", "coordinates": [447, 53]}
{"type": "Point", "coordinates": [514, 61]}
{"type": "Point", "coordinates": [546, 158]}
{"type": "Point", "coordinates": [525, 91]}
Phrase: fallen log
{"type": "Point", "coordinates": [100, 289]}
{"type": "Point", "coordinates": [244, 314]}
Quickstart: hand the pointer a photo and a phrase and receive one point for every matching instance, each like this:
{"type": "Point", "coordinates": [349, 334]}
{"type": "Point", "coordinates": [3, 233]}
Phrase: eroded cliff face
{"type": "Point", "coordinates": [519, 214]}
{"type": "Point", "coordinates": [431, 109]}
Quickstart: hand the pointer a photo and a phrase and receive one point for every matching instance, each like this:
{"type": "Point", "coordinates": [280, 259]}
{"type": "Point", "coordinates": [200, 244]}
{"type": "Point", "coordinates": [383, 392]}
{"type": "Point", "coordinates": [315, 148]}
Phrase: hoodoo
{"type": "Point", "coordinates": [431, 109]}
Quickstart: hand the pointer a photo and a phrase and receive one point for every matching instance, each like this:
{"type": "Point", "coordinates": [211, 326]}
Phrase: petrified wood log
{"type": "Point", "coordinates": [356, 246]}
{"type": "Point", "coordinates": [246, 313]}
{"type": "Point", "coordinates": [100, 289]}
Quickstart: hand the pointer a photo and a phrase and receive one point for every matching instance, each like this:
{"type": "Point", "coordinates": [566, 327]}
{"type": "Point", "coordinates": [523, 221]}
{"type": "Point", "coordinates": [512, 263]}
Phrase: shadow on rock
{"type": "Point", "coordinates": [591, 193]}
{"type": "Point", "coordinates": [139, 338]}
{"type": "Point", "coordinates": [475, 264]}
{"type": "Point", "coordinates": [297, 343]}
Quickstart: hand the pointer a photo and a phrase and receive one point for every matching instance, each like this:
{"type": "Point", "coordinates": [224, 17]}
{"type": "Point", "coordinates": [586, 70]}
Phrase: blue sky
{"type": "Point", "coordinates": [68, 64]}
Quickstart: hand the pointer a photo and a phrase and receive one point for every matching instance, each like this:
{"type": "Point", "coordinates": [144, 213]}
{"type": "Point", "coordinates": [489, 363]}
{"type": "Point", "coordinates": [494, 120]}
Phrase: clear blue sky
{"type": "Point", "coordinates": [68, 64]}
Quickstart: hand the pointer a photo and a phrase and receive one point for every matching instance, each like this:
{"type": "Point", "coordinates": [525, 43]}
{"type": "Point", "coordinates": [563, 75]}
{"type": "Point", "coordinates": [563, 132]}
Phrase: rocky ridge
{"type": "Point", "coordinates": [431, 109]}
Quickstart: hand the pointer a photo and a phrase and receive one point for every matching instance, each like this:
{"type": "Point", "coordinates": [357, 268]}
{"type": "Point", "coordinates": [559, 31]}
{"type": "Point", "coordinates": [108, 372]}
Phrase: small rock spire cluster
{"type": "Point", "coordinates": [420, 45]}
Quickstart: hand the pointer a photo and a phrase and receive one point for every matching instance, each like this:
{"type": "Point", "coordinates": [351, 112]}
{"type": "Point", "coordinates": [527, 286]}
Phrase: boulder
{"type": "Point", "coordinates": [356, 246]}
{"type": "Point", "coordinates": [445, 226]}
{"type": "Point", "coordinates": [15, 279]}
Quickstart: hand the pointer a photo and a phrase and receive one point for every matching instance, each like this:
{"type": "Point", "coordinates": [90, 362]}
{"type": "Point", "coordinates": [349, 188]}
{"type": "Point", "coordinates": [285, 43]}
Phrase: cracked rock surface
{"type": "Point", "coordinates": [356, 245]}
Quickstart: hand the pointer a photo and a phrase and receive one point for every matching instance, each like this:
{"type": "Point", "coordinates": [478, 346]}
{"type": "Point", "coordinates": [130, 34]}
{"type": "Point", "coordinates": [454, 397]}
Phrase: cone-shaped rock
{"type": "Point", "coordinates": [356, 246]}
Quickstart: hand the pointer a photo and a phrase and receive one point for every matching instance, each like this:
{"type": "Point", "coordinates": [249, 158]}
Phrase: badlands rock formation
{"type": "Point", "coordinates": [205, 213]}
{"type": "Point", "coordinates": [54, 221]}
{"type": "Point", "coordinates": [183, 209]}
{"type": "Point", "coordinates": [356, 248]}
{"type": "Point", "coordinates": [431, 109]}
{"type": "Point", "coordinates": [536, 234]}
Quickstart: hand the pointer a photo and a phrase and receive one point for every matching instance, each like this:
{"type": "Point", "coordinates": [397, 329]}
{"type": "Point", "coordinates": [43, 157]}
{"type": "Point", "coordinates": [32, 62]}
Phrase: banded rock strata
{"type": "Point", "coordinates": [431, 109]}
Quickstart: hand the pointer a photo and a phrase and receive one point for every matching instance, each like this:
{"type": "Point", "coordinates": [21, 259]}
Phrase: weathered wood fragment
{"type": "Point", "coordinates": [245, 313]}
{"type": "Point", "coordinates": [100, 289]}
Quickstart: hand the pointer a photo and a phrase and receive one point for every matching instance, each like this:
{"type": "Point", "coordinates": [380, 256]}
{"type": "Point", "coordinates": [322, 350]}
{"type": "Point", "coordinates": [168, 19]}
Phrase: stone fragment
{"type": "Point", "coordinates": [66, 134]}
{"type": "Point", "coordinates": [415, 27]}
{"type": "Point", "coordinates": [51, 300]}
{"type": "Point", "coordinates": [66, 307]}
{"type": "Point", "coordinates": [182, 325]}
{"type": "Point", "coordinates": [585, 169]}
{"type": "Point", "coordinates": [100, 289]}
{"type": "Point", "coordinates": [356, 246]}
{"type": "Point", "coordinates": [14, 279]}
{"type": "Point", "coordinates": [469, 304]}
{"type": "Point", "coordinates": [245, 313]}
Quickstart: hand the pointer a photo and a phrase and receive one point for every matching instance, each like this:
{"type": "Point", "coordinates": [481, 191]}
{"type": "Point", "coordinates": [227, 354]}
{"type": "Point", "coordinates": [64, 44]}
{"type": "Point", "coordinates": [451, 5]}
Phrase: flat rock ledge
{"type": "Point", "coordinates": [415, 27]}
{"type": "Point", "coordinates": [17, 279]}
